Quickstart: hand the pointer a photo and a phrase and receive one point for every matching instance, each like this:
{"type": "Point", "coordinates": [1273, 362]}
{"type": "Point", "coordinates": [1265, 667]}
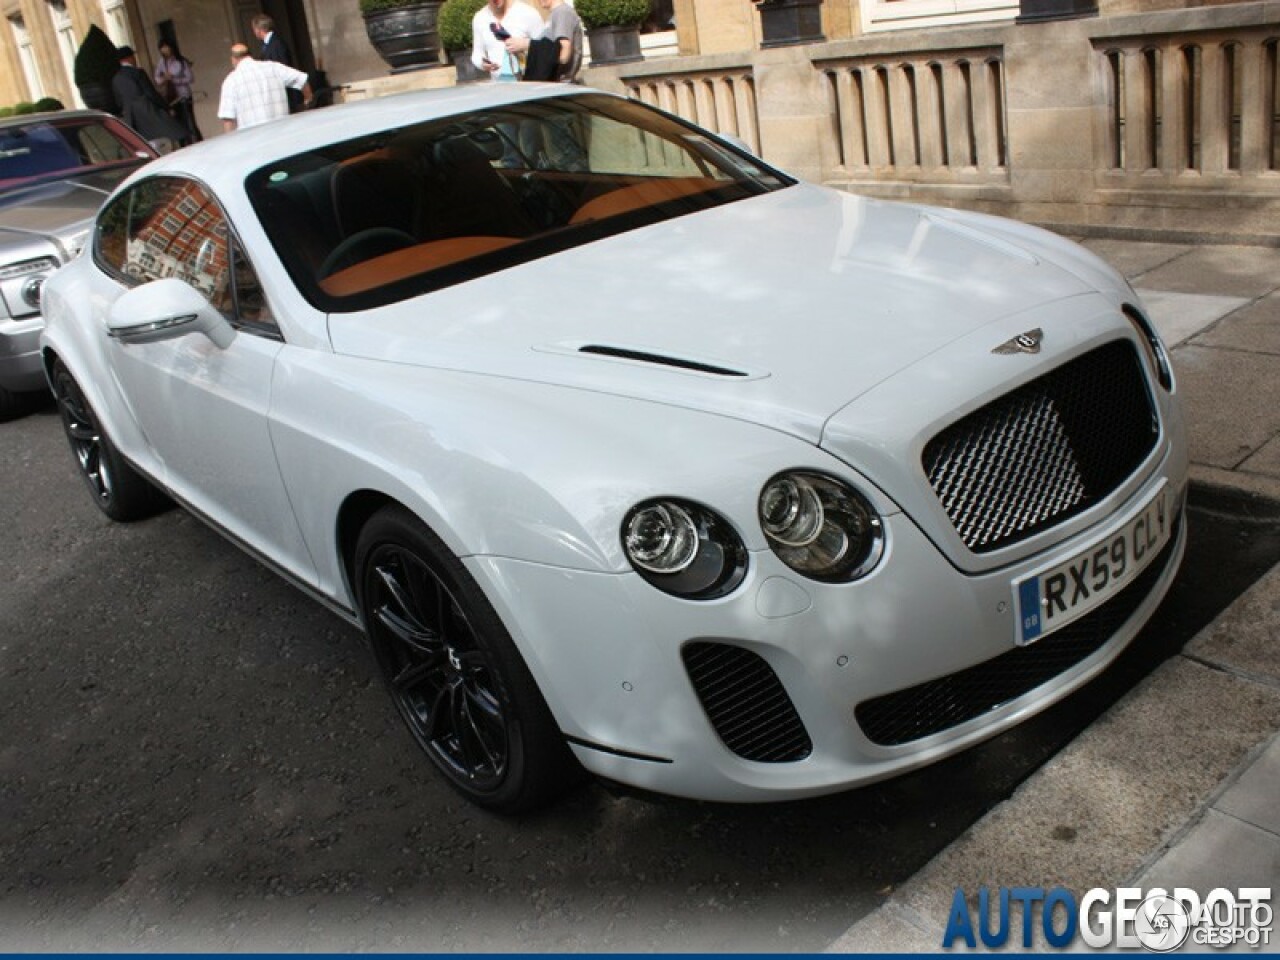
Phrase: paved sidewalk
{"type": "Point", "coordinates": [1179, 783]}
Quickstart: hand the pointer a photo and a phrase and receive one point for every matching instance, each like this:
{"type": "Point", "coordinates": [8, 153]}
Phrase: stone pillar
{"type": "Point", "coordinates": [794, 111]}
{"type": "Point", "coordinates": [1053, 115]}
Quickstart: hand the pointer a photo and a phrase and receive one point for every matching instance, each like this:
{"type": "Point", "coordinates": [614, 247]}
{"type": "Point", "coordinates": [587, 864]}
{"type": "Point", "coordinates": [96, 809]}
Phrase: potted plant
{"type": "Point", "coordinates": [455, 36]}
{"type": "Point", "coordinates": [95, 64]}
{"type": "Point", "coordinates": [784, 22]}
{"type": "Point", "coordinates": [614, 28]}
{"type": "Point", "coordinates": [403, 32]}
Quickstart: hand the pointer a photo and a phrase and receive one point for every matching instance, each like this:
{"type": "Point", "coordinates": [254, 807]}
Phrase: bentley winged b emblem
{"type": "Point", "coordinates": [1028, 342]}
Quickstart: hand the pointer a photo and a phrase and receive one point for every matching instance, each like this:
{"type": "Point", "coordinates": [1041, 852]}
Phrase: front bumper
{"type": "Point", "coordinates": [20, 367]}
{"type": "Point", "coordinates": [606, 650]}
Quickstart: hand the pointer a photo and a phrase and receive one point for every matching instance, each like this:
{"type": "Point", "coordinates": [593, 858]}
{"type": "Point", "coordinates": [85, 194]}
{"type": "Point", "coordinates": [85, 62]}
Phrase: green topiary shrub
{"type": "Point", "coordinates": [24, 108]}
{"type": "Point", "coordinates": [96, 60]}
{"type": "Point", "coordinates": [49, 105]}
{"type": "Point", "coordinates": [378, 6]}
{"type": "Point", "coordinates": [455, 23]}
{"type": "Point", "coordinates": [611, 13]}
{"type": "Point", "coordinates": [6, 111]}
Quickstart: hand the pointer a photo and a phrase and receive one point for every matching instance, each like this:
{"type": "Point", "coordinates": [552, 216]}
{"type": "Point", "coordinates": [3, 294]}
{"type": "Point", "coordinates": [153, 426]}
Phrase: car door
{"type": "Point", "coordinates": [203, 409]}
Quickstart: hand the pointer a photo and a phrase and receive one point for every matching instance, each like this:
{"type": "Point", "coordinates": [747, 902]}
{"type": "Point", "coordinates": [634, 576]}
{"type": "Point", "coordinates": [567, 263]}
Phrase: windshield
{"type": "Point", "coordinates": [371, 221]}
{"type": "Point", "coordinates": [50, 149]}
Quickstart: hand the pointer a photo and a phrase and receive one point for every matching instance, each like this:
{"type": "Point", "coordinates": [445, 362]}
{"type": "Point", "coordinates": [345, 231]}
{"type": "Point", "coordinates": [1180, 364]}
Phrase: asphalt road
{"type": "Point", "coordinates": [195, 756]}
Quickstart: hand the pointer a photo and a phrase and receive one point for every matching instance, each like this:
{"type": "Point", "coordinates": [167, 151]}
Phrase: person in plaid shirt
{"type": "Point", "coordinates": [254, 91]}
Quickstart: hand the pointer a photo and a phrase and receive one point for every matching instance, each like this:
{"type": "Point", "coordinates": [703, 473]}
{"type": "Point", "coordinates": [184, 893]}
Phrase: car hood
{"type": "Point", "coordinates": [781, 309]}
{"type": "Point", "coordinates": [49, 209]}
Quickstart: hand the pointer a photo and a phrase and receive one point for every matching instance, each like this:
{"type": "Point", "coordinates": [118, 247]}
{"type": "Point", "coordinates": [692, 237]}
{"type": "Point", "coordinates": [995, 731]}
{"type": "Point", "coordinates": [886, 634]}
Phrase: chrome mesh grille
{"type": "Point", "coordinates": [746, 703]}
{"type": "Point", "coordinates": [1046, 451]}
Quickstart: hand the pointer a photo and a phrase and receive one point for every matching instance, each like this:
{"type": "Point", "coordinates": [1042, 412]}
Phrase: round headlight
{"type": "Point", "coordinates": [661, 538]}
{"type": "Point", "coordinates": [820, 527]}
{"type": "Point", "coordinates": [684, 549]}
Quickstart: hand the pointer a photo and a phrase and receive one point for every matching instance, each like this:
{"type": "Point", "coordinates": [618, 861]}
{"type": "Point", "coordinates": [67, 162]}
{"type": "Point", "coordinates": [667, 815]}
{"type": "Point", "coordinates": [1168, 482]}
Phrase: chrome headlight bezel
{"type": "Point", "coordinates": [821, 527]}
{"type": "Point", "coordinates": [684, 548]}
{"type": "Point", "coordinates": [1154, 347]}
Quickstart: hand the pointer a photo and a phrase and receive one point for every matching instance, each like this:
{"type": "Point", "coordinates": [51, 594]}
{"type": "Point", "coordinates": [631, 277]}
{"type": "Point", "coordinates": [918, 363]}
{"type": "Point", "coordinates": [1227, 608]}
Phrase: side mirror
{"type": "Point", "coordinates": [165, 310]}
{"type": "Point", "coordinates": [738, 142]}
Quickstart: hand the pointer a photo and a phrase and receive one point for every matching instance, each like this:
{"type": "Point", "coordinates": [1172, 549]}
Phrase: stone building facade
{"type": "Point", "coordinates": [1137, 118]}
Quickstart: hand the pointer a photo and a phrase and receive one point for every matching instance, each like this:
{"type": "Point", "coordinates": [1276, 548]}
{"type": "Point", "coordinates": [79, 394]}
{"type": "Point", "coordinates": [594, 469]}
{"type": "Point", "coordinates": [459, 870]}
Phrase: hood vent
{"type": "Point", "coordinates": [641, 356]}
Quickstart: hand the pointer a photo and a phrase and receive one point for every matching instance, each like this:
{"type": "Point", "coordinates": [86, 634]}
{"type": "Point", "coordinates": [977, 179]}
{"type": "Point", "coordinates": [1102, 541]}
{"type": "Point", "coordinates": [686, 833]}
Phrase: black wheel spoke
{"type": "Point", "coordinates": [415, 673]}
{"type": "Point", "coordinates": [405, 623]}
{"type": "Point", "coordinates": [435, 713]}
{"type": "Point", "coordinates": [491, 756]}
{"type": "Point", "coordinates": [487, 705]}
{"type": "Point", "coordinates": [80, 431]}
{"type": "Point", "coordinates": [461, 731]}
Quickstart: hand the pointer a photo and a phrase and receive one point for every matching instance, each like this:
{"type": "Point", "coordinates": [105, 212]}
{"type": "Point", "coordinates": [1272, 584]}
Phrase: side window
{"type": "Point", "coordinates": [112, 231]}
{"type": "Point", "coordinates": [172, 227]}
{"type": "Point", "coordinates": [252, 308]}
{"type": "Point", "coordinates": [97, 145]}
{"type": "Point", "coordinates": [176, 230]}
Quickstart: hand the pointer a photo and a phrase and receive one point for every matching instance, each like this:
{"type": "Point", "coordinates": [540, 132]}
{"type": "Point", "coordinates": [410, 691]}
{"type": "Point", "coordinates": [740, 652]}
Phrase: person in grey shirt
{"type": "Point", "coordinates": [556, 53]}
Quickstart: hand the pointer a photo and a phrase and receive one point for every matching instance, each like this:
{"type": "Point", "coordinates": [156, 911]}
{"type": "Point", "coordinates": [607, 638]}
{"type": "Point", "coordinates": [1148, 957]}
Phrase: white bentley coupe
{"type": "Point", "coordinates": [628, 451]}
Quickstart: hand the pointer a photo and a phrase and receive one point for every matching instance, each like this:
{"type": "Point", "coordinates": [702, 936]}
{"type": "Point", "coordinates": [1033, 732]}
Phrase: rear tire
{"type": "Point", "coordinates": [119, 491]}
{"type": "Point", "coordinates": [453, 671]}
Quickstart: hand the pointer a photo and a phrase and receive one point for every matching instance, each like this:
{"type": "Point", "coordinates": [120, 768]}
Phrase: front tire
{"type": "Point", "coordinates": [119, 491]}
{"type": "Point", "coordinates": [455, 675]}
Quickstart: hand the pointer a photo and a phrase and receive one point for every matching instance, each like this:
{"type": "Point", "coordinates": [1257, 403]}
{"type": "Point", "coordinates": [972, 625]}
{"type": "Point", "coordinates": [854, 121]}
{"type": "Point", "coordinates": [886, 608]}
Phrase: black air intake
{"type": "Point", "coordinates": [746, 703]}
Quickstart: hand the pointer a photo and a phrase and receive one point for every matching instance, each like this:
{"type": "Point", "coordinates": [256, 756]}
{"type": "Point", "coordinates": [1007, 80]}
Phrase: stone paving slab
{"type": "Point", "coordinates": [1255, 328]}
{"type": "Point", "coordinates": [1230, 398]}
{"type": "Point", "coordinates": [1247, 640]}
{"type": "Point", "coordinates": [1220, 851]}
{"type": "Point", "coordinates": [1249, 272]}
{"type": "Point", "coordinates": [1252, 798]}
{"type": "Point", "coordinates": [1180, 316]}
{"type": "Point", "coordinates": [1134, 258]}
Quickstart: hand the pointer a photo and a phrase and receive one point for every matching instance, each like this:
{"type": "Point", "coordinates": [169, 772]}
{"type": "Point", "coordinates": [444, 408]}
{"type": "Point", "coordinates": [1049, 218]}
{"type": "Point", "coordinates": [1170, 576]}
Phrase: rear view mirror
{"type": "Point", "coordinates": [165, 310]}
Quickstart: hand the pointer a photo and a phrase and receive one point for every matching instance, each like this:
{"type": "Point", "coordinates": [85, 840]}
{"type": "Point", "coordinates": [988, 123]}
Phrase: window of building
{"type": "Point", "coordinates": [65, 32]}
{"type": "Point", "coordinates": [117, 22]}
{"type": "Point", "coordinates": [904, 14]}
{"type": "Point", "coordinates": [27, 57]}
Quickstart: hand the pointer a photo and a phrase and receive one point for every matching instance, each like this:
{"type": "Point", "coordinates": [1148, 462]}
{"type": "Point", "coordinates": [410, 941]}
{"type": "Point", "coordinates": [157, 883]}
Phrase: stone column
{"type": "Point", "coordinates": [1052, 114]}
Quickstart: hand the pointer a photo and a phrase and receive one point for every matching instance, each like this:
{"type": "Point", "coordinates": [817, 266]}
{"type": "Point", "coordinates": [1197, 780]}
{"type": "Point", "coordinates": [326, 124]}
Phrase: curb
{"type": "Point", "coordinates": [1251, 496]}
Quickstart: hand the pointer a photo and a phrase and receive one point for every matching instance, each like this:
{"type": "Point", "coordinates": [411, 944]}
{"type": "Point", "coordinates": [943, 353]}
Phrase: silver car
{"type": "Point", "coordinates": [56, 169]}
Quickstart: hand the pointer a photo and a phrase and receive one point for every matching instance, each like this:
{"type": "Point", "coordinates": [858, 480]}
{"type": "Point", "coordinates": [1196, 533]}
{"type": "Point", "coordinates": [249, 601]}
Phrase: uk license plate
{"type": "Point", "coordinates": [1053, 598]}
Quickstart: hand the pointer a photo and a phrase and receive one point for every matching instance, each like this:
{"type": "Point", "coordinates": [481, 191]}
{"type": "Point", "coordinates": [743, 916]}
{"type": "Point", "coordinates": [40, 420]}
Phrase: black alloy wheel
{"type": "Point", "coordinates": [118, 490]}
{"type": "Point", "coordinates": [453, 672]}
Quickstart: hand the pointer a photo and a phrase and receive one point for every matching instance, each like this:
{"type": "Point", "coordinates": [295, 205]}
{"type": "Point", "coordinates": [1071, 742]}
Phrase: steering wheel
{"type": "Point", "coordinates": [365, 245]}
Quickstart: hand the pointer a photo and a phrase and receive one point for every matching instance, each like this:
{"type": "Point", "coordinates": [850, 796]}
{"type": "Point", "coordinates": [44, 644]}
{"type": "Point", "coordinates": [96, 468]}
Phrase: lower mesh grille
{"type": "Point", "coordinates": [746, 703]}
{"type": "Point", "coordinates": [940, 704]}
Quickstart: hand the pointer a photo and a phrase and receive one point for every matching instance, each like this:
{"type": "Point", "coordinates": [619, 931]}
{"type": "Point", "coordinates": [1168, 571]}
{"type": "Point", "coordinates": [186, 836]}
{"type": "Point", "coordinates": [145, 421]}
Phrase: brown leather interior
{"type": "Point", "coordinates": [409, 262]}
{"type": "Point", "coordinates": [639, 195]}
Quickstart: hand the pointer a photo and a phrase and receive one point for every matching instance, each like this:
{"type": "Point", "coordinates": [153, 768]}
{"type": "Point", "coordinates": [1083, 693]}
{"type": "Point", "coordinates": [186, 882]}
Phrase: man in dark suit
{"type": "Point", "coordinates": [141, 106]}
{"type": "Point", "coordinates": [274, 48]}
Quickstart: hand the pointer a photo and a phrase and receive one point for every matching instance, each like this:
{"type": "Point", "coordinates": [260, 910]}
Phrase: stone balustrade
{"type": "Point", "coordinates": [1163, 124]}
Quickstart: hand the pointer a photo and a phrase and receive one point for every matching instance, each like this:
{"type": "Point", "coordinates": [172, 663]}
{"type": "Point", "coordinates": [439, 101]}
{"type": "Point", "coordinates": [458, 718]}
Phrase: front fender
{"type": "Point", "coordinates": [76, 337]}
